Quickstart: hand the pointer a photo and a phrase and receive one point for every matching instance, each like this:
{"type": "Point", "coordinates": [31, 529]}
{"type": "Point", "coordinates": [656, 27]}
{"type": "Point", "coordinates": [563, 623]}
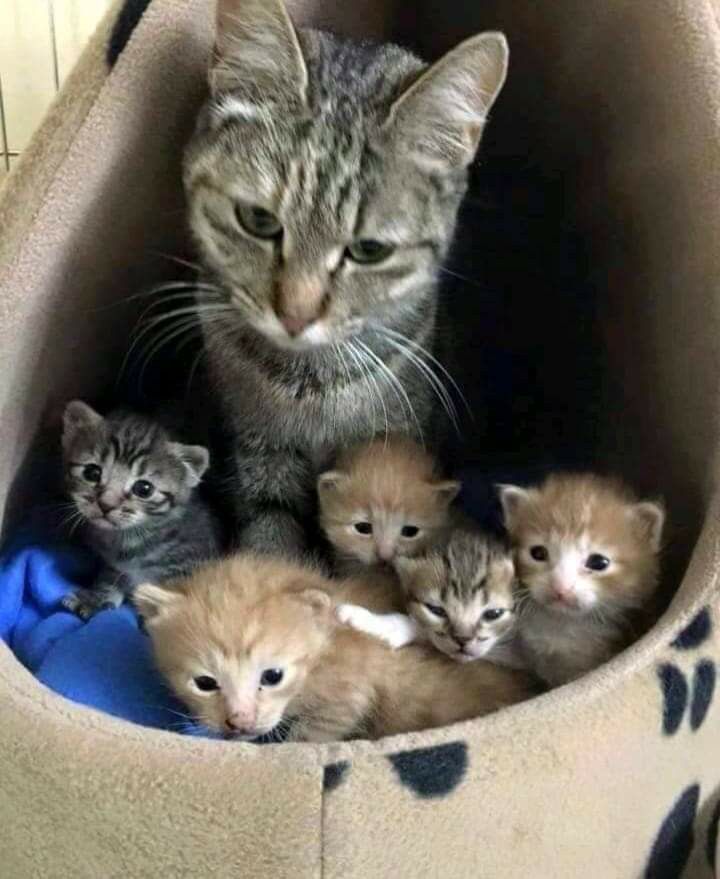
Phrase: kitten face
{"type": "Point", "coordinates": [384, 502]}
{"type": "Point", "coordinates": [123, 471]}
{"type": "Point", "coordinates": [583, 543]}
{"type": "Point", "coordinates": [462, 598]}
{"type": "Point", "coordinates": [323, 186]}
{"type": "Point", "coordinates": [236, 662]}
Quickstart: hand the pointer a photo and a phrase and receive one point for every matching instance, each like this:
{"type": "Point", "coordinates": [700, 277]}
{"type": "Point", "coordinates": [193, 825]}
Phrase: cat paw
{"type": "Point", "coordinates": [353, 616]}
{"type": "Point", "coordinates": [394, 629]}
{"type": "Point", "coordinates": [85, 603]}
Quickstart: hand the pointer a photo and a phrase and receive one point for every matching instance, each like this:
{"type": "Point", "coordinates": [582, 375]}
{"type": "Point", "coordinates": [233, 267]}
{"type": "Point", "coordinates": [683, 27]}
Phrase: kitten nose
{"type": "Point", "coordinates": [462, 640]}
{"type": "Point", "coordinates": [105, 505]}
{"type": "Point", "coordinates": [293, 325]}
{"type": "Point", "coordinates": [238, 723]}
{"type": "Point", "coordinates": [386, 552]}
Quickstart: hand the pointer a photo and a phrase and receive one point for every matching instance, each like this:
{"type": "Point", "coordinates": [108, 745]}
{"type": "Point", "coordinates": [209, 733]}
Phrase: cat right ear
{"type": "Point", "coordinates": [195, 458]}
{"type": "Point", "coordinates": [78, 416]}
{"type": "Point", "coordinates": [330, 483]}
{"type": "Point", "coordinates": [258, 55]}
{"type": "Point", "coordinates": [155, 602]}
{"type": "Point", "coordinates": [447, 491]}
{"type": "Point", "coordinates": [512, 499]}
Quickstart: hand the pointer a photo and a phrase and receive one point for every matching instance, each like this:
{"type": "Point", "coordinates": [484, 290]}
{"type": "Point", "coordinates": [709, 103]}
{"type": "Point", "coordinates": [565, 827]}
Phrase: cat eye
{"type": "Point", "coordinates": [539, 553]}
{"type": "Point", "coordinates": [258, 222]}
{"type": "Point", "coordinates": [410, 531]}
{"type": "Point", "coordinates": [92, 473]}
{"type": "Point", "coordinates": [493, 613]}
{"type": "Point", "coordinates": [142, 488]}
{"type": "Point", "coordinates": [597, 562]}
{"type": "Point", "coordinates": [363, 527]}
{"type": "Point", "coordinates": [368, 250]}
{"type": "Point", "coordinates": [437, 610]}
{"type": "Point", "coordinates": [206, 683]}
{"type": "Point", "coordinates": [271, 677]}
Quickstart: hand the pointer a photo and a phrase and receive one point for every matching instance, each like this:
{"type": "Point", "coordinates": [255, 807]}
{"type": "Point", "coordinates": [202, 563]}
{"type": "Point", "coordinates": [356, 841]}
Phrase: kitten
{"type": "Point", "coordinates": [460, 598]}
{"type": "Point", "coordinates": [323, 182]}
{"type": "Point", "coordinates": [384, 500]}
{"type": "Point", "coordinates": [133, 490]}
{"type": "Point", "coordinates": [251, 645]}
{"type": "Point", "coordinates": [587, 553]}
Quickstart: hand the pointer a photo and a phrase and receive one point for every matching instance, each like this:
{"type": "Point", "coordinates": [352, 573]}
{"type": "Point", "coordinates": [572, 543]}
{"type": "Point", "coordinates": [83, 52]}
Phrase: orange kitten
{"type": "Point", "coordinates": [383, 500]}
{"type": "Point", "coordinates": [252, 646]}
{"type": "Point", "coordinates": [586, 551]}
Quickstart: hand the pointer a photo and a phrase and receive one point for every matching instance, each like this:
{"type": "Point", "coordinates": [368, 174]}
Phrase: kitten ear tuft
{"type": "Point", "coordinates": [448, 490]}
{"type": "Point", "coordinates": [258, 55]}
{"type": "Point", "coordinates": [651, 517]}
{"type": "Point", "coordinates": [316, 599]}
{"type": "Point", "coordinates": [195, 458]}
{"type": "Point", "coordinates": [441, 116]}
{"type": "Point", "coordinates": [512, 499]}
{"type": "Point", "coordinates": [78, 416]}
{"type": "Point", "coordinates": [154, 603]}
{"type": "Point", "coordinates": [330, 482]}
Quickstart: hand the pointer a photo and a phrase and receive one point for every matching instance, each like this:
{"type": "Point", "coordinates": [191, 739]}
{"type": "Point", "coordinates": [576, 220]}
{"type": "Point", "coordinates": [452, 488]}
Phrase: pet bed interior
{"type": "Point", "coordinates": [589, 315]}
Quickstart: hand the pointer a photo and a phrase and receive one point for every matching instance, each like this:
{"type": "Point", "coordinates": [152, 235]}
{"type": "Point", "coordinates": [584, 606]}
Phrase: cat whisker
{"type": "Point", "coordinates": [460, 277]}
{"type": "Point", "coordinates": [362, 354]}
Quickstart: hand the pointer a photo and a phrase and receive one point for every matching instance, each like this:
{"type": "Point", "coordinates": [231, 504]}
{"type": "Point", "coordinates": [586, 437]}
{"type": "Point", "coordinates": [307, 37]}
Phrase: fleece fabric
{"type": "Point", "coordinates": [615, 776]}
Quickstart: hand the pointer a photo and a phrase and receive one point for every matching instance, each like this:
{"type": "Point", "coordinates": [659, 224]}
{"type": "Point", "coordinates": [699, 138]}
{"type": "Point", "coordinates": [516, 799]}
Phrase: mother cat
{"type": "Point", "coordinates": [323, 180]}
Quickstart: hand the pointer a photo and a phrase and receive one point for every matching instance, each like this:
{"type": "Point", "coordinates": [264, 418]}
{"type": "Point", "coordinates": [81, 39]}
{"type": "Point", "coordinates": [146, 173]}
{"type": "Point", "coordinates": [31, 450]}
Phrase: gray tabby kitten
{"type": "Point", "coordinates": [323, 183]}
{"type": "Point", "coordinates": [133, 489]}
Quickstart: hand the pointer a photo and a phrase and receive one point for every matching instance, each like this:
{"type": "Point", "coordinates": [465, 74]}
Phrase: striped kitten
{"type": "Point", "coordinates": [460, 598]}
{"type": "Point", "coordinates": [323, 182]}
{"type": "Point", "coordinates": [133, 490]}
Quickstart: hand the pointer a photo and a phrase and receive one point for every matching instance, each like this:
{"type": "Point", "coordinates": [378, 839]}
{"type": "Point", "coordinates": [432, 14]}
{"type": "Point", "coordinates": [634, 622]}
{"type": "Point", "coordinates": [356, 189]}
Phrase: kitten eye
{"type": "Point", "coordinates": [92, 473]}
{"type": "Point", "coordinates": [206, 683]}
{"type": "Point", "coordinates": [367, 250]}
{"type": "Point", "coordinates": [437, 610]}
{"type": "Point", "coordinates": [258, 222]}
{"type": "Point", "coordinates": [410, 531]}
{"type": "Point", "coordinates": [597, 562]}
{"type": "Point", "coordinates": [363, 527]}
{"type": "Point", "coordinates": [493, 613]}
{"type": "Point", "coordinates": [271, 677]}
{"type": "Point", "coordinates": [142, 488]}
{"type": "Point", "coordinates": [539, 553]}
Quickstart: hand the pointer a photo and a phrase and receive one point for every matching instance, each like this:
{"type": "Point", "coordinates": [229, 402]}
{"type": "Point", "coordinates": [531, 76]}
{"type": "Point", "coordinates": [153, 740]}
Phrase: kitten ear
{"type": "Point", "coordinates": [258, 52]}
{"type": "Point", "coordinates": [447, 491]}
{"type": "Point", "coordinates": [154, 602]}
{"type": "Point", "coordinates": [512, 498]}
{"type": "Point", "coordinates": [330, 482]}
{"type": "Point", "coordinates": [651, 518]}
{"type": "Point", "coordinates": [78, 416]}
{"type": "Point", "coordinates": [316, 599]}
{"type": "Point", "coordinates": [195, 458]}
{"type": "Point", "coordinates": [440, 118]}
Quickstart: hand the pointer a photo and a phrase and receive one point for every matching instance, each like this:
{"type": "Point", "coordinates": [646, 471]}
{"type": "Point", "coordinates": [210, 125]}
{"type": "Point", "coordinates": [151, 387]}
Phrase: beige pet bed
{"type": "Point", "coordinates": [617, 775]}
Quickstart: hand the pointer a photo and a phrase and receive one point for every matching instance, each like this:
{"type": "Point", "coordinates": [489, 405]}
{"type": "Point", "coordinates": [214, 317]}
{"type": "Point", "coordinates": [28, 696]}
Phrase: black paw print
{"type": "Point", "coordinates": [676, 690]}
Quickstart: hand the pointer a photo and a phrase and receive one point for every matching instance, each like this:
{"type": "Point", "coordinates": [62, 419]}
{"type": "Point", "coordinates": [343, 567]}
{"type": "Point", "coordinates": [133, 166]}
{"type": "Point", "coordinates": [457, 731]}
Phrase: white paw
{"type": "Point", "coordinates": [354, 616]}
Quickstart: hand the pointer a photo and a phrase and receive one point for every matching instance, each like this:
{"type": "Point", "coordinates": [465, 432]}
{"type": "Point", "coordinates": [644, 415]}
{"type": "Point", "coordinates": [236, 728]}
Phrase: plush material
{"type": "Point", "coordinates": [617, 775]}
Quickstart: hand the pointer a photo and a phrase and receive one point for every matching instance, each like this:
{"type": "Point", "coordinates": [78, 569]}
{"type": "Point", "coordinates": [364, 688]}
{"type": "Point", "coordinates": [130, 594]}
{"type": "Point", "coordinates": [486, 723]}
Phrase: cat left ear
{"type": "Point", "coordinates": [155, 602]}
{"type": "Point", "coordinates": [651, 517]}
{"type": "Point", "coordinates": [441, 117]}
{"type": "Point", "coordinates": [195, 458]}
{"type": "Point", "coordinates": [329, 482]}
{"type": "Point", "coordinates": [447, 491]}
{"type": "Point", "coordinates": [78, 416]}
{"type": "Point", "coordinates": [512, 498]}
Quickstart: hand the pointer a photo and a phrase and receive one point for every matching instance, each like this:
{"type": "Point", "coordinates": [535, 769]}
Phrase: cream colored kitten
{"type": "Point", "coordinates": [384, 500]}
{"type": "Point", "coordinates": [586, 552]}
{"type": "Point", "coordinates": [253, 647]}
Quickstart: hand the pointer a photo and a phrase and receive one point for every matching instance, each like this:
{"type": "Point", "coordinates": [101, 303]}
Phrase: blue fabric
{"type": "Point", "coordinates": [105, 663]}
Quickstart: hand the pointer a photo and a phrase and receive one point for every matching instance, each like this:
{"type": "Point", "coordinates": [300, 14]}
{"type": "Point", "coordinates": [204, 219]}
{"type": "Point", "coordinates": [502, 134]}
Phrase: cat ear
{"type": "Point", "coordinates": [440, 118]}
{"type": "Point", "coordinates": [78, 416]}
{"type": "Point", "coordinates": [155, 602]}
{"type": "Point", "coordinates": [512, 498]}
{"type": "Point", "coordinates": [258, 53]}
{"type": "Point", "coordinates": [316, 599]}
{"type": "Point", "coordinates": [447, 491]}
{"type": "Point", "coordinates": [651, 518]}
{"type": "Point", "coordinates": [195, 458]}
{"type": "Point", "coordinates": [328, 483]}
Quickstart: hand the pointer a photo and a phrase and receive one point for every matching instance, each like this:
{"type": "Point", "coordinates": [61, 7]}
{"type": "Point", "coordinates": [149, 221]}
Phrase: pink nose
{"type": "Point", "coordinates": [294, 325]}
{"type": "Point", "coordinates": [386, 553]}
{"type": "Point", "coordinates": [563, 593]}
{"type": "Point", "coordinates": [237, 723]}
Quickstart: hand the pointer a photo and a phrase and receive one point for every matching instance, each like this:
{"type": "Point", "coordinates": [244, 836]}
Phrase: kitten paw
{"type": "Point", "coordinates": [394, 629]}
{"type": "Point", "coordinates": [85, 603]}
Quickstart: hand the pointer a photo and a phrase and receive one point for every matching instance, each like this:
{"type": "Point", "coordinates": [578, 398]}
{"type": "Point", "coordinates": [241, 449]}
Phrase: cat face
{"type": "Point", "coordinates": [324, 176]}
{"type": "Point", "coordinates": [236, 664]}
{"type": "Point", "coordinates": [462, 598]}
{"type": "Point", "coordinates": [122, 471]}
{"type": "Point", "coordinates": [583, 543]}
{"type": "Point", "coordinates": [385, 502]}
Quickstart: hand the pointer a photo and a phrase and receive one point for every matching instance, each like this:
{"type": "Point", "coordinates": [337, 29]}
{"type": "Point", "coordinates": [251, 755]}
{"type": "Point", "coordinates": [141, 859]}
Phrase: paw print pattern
{"type": "Point", "coordinates": [675, 838]}
{"type": "Point", "coordinates": [676, 690]}
{"type": "Point", "coordinates": [432, 772]}
{"type": "Point", "coordinates": [334, 775]}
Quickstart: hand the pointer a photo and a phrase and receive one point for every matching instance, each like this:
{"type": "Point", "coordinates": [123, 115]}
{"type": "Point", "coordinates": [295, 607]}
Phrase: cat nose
{"type": "Point", "coordinates": [293, 325]}
{"type": "Point", "coordinates": [105, 505]}
{"type": "Point", "coordinates": [562, 592]}
{"type": "Point", "coordinates": [462, 640]}
{"type": "Point", "coordinates": [239, 724]}
{"type": "Point", "coordinates": [386, 552]}
{"type": "Point", "coordinates": [299, 302]}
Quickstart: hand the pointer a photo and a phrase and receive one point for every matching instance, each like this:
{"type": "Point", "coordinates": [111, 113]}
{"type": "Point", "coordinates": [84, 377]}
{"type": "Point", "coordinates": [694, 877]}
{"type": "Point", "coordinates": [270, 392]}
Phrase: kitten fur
{"type": "Point", "coordinates": [389, 487]}
{"type": "Point", "coordinates": [137, 538]}
{"type": "Point", "coordinates": [309, 147]}
{"type": "Point", "coordinates": [237, 620]}
{"type": "Point", "coordinates": [573, 617]}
